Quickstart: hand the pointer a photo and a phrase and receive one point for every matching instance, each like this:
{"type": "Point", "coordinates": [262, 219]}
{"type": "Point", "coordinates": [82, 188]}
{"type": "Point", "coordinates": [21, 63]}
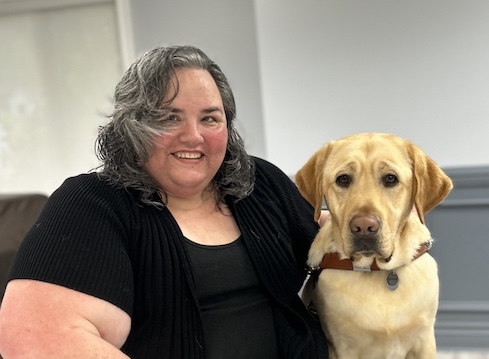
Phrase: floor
{"type": "Point", "coordinates": [462, 355]}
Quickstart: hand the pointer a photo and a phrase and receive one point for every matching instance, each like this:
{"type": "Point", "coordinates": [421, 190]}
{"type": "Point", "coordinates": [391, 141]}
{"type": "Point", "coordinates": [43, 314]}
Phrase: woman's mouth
{"type": "Point", "coordinates": [188, 155]}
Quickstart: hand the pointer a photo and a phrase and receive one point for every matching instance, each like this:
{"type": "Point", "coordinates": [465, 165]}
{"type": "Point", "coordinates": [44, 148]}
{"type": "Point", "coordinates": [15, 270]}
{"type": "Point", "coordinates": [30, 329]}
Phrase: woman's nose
{"type": "Point", "coordinates": [191, 132]}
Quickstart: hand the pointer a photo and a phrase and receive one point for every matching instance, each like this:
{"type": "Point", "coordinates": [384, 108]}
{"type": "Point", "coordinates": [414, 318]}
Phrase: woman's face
{"type": "Point", "coordinates": [187, 156]}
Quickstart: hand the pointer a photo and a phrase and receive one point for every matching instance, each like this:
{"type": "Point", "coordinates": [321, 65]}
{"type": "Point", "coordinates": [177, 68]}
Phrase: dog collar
{"type": "Point", "coordinates": [333, 261]}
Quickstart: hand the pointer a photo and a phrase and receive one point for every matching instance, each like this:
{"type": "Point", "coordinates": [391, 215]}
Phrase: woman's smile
{"type": "Point", "coordinates": [188, 155]}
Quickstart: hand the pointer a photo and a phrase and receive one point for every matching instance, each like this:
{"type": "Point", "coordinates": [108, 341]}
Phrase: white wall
{"type": "Point", "coordinates": [303, 73]}
{"type": "Point", "coordinates": [58, 69]}
{"type": "Point", "coordinates": [419, 69]}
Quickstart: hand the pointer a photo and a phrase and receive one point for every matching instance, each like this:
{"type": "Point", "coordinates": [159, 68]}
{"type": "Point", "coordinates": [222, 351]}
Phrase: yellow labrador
{"type": "Point", "coordinates": [374, 286]}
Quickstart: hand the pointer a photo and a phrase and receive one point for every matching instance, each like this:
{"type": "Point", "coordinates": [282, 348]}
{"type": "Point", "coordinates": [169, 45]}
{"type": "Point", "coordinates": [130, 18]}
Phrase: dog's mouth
{"type": "Point", "coordinates": [367, 247]}
{"type": "Point", "coordinates": [362, 254]}
{"type": "Point", "coordinates": [366, 253]}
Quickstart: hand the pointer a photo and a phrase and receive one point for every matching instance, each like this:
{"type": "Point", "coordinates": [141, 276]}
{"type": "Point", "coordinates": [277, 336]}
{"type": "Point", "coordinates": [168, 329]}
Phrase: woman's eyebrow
{"type": "Point", "coordinates": [212, 109]}
{"type": "Point", "coordinates": [205, 110]}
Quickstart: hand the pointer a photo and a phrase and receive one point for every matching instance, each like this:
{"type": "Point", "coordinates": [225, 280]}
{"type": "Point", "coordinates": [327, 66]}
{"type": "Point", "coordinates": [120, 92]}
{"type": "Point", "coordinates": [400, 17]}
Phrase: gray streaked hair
{"type": "Point", "coordinates": [124, 144]}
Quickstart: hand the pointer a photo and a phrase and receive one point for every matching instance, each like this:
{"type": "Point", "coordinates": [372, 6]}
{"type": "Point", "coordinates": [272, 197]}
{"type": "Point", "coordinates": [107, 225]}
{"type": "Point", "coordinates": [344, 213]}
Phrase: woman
{"type": "Point", "coordinates": [180, 246]}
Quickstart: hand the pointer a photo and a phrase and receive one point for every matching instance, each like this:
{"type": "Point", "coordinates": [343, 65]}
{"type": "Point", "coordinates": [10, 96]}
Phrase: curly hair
{"type": "Point", "coordinates": [124, 144]}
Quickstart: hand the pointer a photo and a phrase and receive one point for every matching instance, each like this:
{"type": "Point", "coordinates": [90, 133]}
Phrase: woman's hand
{"type": "Point", "coordinates": [325, 214]}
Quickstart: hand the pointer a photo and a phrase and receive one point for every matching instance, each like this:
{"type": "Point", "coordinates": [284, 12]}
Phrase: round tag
{"type": "Point", "coordinates": [392, 281]}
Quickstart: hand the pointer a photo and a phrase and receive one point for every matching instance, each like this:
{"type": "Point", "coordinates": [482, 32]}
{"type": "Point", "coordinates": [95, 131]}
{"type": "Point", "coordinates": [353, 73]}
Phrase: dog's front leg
{"type": "Point", "coordinates": [332, 354]}
{"type": "Point", "coordinates": [426, 348]}
{"type": "Point", "coordinates": [344, 354]}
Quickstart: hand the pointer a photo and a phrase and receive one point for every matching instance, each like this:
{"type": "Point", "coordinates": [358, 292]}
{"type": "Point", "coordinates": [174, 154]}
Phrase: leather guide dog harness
{"type": "Point", "coordinates": [333, 261]}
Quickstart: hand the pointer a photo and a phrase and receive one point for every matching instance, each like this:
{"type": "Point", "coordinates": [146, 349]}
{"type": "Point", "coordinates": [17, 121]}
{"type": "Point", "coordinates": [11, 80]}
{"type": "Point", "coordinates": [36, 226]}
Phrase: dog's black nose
{"type": "Point", "coordinates": [364, 226]}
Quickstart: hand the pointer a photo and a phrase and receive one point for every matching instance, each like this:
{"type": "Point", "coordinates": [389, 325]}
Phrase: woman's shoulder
{"type": "Point", "coordinates": [272, 182]}
{"type": "Point", "coordinates": [91, 182]}
{"type": "Point", "coordinates": [90, 177]}
{"type": "Point", "coordinates": [90, 198]}
{"type": "Point", "coordinates": [263, 165]}
{"type": "Point", "coordinates": [269, 171]}
{"type": "Point", "coordinates": [89, 186]}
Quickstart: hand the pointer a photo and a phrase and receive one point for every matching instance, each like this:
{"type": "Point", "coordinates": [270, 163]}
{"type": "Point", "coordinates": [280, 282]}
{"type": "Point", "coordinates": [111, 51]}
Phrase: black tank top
{"type": "Point", "coordinates": [236, 313]}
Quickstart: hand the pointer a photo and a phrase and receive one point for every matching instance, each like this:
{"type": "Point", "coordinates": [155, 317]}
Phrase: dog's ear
{"type": "Point", "coordinates": [430, 184]}
{"type": "Point", "coordinates": [309, 179]}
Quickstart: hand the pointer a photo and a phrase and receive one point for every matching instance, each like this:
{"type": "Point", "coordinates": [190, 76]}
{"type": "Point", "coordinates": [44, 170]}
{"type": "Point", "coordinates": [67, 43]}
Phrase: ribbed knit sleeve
{"type": "Point", "coordinates": [79, 241]}
{"type": "Point", "coordinates": [102, 241]}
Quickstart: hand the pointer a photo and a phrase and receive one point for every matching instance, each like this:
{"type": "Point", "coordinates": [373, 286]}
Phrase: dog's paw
{"type": "Point", "coordinates": [315, 258]}
{"type": "Point", "coordinates": [322, 244]}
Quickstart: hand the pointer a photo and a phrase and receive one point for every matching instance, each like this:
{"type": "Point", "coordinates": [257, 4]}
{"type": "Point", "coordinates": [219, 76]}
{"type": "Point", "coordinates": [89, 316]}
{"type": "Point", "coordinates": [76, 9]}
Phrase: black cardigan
{"type": "Point", "coordinates": [100, 240]}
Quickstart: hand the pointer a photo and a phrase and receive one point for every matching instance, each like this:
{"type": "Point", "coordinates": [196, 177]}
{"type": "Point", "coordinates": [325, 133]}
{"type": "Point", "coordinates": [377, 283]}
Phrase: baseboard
{"type": "Point", "coordinates": [463, 325]}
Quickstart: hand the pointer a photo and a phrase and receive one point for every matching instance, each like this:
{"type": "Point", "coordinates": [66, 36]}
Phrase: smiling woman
{"type": "Point", "coordinates": [178, 236]}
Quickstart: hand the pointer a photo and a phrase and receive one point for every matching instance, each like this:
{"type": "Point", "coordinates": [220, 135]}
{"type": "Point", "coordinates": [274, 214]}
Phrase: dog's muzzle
{"type": "Point", "coordinates": [364, 230]}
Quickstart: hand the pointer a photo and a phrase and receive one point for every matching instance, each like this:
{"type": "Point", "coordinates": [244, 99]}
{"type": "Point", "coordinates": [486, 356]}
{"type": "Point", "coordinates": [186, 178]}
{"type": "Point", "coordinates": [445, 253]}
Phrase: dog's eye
{"type": "Point", "coordinates": [390, 180]}
{"type": "Point", "coordinates": [343, 180]}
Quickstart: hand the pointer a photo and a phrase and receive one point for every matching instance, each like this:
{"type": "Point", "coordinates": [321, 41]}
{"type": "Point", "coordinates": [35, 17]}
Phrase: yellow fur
{"type": "Point", "coordinates": [361, 317]}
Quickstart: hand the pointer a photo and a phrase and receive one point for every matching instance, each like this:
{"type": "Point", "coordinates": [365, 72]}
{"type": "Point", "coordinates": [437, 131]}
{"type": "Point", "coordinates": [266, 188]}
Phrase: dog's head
{"type": "Point", "coordinates": [371, 182]}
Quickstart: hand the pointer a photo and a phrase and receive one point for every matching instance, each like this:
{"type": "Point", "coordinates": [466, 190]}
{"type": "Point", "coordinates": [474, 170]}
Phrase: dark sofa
{"type": "Point", "coordinates": [17, 214]}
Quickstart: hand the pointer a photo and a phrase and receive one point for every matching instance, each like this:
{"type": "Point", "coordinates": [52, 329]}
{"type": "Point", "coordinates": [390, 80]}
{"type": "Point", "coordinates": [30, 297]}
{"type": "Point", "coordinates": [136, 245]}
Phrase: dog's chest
{"type": "Point", "coordinates": [359, 309]}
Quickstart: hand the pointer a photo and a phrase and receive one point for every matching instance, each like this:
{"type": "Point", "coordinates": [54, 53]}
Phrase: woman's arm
{"type": "Point", "coordinates": [42, 320]}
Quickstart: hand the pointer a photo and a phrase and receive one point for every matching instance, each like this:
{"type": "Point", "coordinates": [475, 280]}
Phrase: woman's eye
{"type": "Point", "coordinates": [208, 119]}
{"type": "Point", "coordinates": [169, 121]}
{"type": "Point", "coordinates": [169, 118]}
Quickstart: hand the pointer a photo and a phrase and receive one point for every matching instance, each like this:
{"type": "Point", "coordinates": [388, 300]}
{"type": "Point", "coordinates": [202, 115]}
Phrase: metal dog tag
{"type": "Point", "coordinates": [392, 280]}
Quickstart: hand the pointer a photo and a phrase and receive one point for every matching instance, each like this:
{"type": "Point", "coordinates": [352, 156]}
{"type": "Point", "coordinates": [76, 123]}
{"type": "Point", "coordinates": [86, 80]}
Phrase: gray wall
{"type": "Point", "coordinates": [460, 227]}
